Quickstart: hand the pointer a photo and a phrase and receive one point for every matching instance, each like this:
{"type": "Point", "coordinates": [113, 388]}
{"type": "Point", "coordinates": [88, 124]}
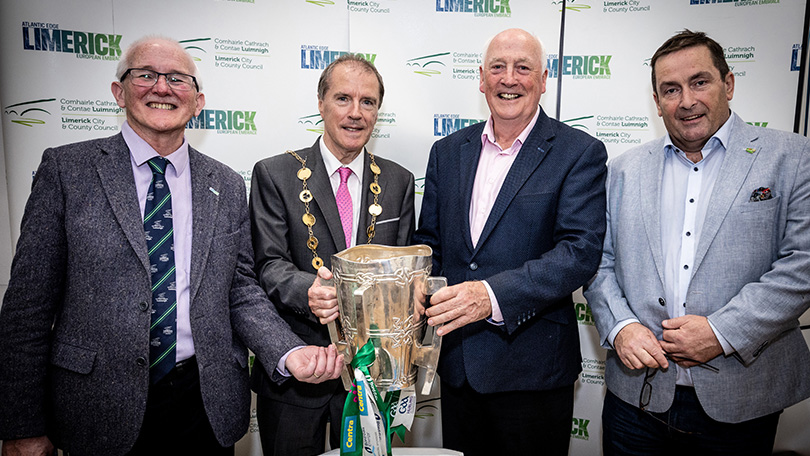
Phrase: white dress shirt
{"type": "Point", "coordinates": [686, 189]}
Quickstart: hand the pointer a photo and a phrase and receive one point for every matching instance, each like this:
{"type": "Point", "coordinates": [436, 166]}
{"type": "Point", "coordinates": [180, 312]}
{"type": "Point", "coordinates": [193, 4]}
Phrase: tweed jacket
{"type": "Point", "coordinates": [75, 318]}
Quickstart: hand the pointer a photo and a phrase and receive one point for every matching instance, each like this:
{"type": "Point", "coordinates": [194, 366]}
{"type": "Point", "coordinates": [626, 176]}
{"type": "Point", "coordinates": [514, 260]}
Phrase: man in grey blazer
{"type": "Point", "coordinates": [705, 271]}
{"type": "Point", "coordinates": [81, 368]}
{"type": "Point", "coordinates": [290, 250]}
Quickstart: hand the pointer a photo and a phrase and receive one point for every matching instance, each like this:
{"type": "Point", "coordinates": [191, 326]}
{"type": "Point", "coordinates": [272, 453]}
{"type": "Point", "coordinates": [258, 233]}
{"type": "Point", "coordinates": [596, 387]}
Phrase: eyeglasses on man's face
{"type": "Point", "coordinates": [143, 77]}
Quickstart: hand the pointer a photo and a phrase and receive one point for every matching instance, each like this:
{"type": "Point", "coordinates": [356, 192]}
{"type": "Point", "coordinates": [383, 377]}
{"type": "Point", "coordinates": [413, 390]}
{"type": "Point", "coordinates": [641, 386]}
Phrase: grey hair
{"type": "Point", "coordinates": [126, 60]}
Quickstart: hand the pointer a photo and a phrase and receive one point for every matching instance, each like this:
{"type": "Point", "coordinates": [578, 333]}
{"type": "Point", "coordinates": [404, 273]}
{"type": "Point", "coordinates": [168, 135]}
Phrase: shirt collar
{"type": "Point", "coordinates": [719, 138]}
{"type": "Point", "coordinates": [141, 151]}
{"type": "Point", "coordinates": [331, 163]}
{"type": "Point", "coordinates": [488, 135]}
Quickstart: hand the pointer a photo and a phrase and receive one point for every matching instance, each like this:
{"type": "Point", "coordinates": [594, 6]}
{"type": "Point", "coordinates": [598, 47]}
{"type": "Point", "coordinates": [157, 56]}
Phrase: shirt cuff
{"type": "Point", "coordinates": [727, 348]}
{"type": "Point", "coordinates": [497, 317]}
{"type": "Point", "coordinates": [281, 367]}
{"type": "Point", "coordinates": [619, 326]}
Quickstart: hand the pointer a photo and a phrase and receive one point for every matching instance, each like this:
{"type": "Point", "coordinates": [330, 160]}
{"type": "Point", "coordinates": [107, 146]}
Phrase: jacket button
{"type": "Point", "coordinates": [141, 361]}
{"type": "Point", "coordinates": [473, 266]}
{"type": "Point", "coordinates": [662, 301]}
{"type": "Point", "coordinates": [144, 306]}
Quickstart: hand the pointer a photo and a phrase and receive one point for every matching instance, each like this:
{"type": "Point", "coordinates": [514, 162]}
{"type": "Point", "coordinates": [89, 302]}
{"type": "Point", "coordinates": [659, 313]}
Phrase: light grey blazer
{"type": "Point", "coordinates": [75, 320]}
{"type": "Point", "coordinates": [751, 276]}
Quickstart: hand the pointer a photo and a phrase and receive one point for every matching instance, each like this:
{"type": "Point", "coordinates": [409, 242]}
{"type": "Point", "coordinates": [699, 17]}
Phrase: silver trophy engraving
{"type": "Point", "coordinates": [381, 294]}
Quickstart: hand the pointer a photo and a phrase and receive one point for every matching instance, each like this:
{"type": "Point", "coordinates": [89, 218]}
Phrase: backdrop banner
{"type": "Point", "coordinates": [260, 60]}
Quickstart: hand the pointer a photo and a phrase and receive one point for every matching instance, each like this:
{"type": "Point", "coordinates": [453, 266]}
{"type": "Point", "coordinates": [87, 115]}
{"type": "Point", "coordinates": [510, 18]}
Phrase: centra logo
{"type": "Point", "coordinates": [579, 428]}
{"type": "Point", "coordinates": [28, 112]}
{"type": "Point", "coordinates": [445, 124]}
{"type": "Point", "coordinates": [492, 8]}
{"type": "Point", "coordinates": [225, 122]}
{"type": "Point", "coordinates": [318, 57]}
{"type": "Point", "coordinates": [583, 313]}
{"type": "Point", "coordinates": [313, 123]}
{"type": "Point", "coordinates": [428, 65]}
{"type": "Point", "coordinates": [580, 66]}
{"type": "Point", "coordinates": [349, 433]}
{"type": "Point", "coordinates": [39, 36]}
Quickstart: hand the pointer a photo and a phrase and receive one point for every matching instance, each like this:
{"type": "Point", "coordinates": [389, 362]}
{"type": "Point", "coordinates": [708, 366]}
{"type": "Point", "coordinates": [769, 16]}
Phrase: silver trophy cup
{"type": "Point", "coordinates": [381, 294]}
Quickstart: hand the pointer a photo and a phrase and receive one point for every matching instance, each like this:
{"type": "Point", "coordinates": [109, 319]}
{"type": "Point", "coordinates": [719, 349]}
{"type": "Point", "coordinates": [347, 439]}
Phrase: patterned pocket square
{"type": "Point", "coordinates": [761, 194]}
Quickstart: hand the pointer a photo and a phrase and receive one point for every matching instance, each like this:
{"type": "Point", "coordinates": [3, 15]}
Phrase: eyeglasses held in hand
{"type": "Point", "coordinates": [147, 78]}
{"type": "Point", "coordinates": [646, 388]}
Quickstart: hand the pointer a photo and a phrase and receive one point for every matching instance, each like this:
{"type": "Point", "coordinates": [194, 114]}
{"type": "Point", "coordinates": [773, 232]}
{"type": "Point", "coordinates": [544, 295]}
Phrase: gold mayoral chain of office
{"type": "Point", "coordinates": [306, 196]}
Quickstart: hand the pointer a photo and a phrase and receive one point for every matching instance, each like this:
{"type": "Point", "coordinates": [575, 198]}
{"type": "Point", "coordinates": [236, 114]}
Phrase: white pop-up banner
{"type": "Point", "coordinates": [260, 60]}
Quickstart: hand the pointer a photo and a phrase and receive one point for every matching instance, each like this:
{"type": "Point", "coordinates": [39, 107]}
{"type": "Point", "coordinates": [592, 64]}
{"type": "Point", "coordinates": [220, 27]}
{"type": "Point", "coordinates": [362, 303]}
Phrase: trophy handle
{"type": "Point", "coordinates": [427, 356]}
{"type": "Point", "coordinates": [341, 345]}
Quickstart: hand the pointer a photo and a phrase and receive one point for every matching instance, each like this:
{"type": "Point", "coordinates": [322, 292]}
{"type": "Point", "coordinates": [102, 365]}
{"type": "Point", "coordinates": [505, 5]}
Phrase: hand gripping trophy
{"type": "Point", "coordinates": [382, 292]}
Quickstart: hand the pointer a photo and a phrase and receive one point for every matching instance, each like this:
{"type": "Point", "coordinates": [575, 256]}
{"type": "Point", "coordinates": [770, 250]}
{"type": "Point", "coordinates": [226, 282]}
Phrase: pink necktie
{"type": "Point", "coordinates": [344, 204]}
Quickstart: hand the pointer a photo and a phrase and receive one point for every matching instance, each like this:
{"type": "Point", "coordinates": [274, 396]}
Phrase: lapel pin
{"type": "Point", "coordinates": [750, 150]}
{"type": "Point", "coordinates": [213, 191]}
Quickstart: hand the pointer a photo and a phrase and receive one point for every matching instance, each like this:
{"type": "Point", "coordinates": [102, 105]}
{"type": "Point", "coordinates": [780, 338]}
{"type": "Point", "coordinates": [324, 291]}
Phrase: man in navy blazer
{"type": "Point", "coordinates": [75, 321]}
{"type": "Point", "coordinates": [705, 271]}
{"type": "Point", "coordinates": [514, 212]}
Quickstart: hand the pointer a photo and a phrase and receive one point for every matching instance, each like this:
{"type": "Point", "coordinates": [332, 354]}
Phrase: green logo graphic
{"type": "Point", "coordinates": [571, 6]}
{"type": "Point", "coordinates": [421, 64]}
{"type": "Point", "coordinates": [480, 8]}
{"type": "Point", "coordinates": [20, 112]}
{"type": "Point", "coordinates": [579, 428]}
{"type": "Point", "coordinates": [580, 66]}
{"type": "Point", "coordinates": [583, 313]}
{"type": "Point", "coordinates": [225, 121]}
{"type": "Point", "coordinates": [313, 123]}
{"type": "Point", "coordinates": [321, 2]}
{"type": "Point", "coordinates": [419, 185]}
{"type": "Point", "coordinates": [47, 37]}
{"type": "Point", "coordinates": [758, 124]}
{"type": "Point", "coordinates": [579, 126]}
{"type": "Point", "coordinates": [192, 47]}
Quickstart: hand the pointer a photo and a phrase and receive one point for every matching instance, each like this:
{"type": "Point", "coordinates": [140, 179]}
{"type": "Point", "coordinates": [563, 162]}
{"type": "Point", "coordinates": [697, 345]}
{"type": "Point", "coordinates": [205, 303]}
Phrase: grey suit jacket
{"type": "Point", "coordinates": [751, 276]}
{"type": "Point", "coordinates": [283, 261]}
{"type": "Point", "coordinates": [75, 319]}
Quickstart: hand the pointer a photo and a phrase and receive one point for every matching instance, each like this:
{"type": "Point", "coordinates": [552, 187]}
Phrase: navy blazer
{"type": "Point", "coordinates": [542, 241]}
{"type": "Point", "coordinates": [75, 319]}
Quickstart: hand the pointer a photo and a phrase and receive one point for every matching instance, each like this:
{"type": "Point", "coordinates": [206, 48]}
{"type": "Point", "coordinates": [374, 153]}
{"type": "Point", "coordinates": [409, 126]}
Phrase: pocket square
{"type": "Point", "coordinates": [761, 194]}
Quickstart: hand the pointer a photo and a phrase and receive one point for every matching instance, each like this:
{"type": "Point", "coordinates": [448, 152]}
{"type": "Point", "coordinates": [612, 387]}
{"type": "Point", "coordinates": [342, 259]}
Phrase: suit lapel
{"type": "Point", "coordinates": [650, 195]}
{"type": "Point", "coordinates": [114, 168]}
{"type": "Point", "coordinates": [467, 167]}
{"type": "Point", "coordinates": [205, 207]}
{"type": "Point", "coordinates": [528, 159]}
{"type": "Point", "coordinates": [324, 196]}
{"type": "Point", "coordinates": [736, 166]}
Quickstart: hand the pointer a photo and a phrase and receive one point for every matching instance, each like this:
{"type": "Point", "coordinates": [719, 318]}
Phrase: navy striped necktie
{"type": "Point", "coordinates": [157, 225]}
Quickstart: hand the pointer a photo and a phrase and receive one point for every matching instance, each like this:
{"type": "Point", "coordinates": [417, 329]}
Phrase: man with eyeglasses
{"type": "Point", "coordinates": [705, 271]}
{"type": "Point", "coordinates": [132, 299]}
